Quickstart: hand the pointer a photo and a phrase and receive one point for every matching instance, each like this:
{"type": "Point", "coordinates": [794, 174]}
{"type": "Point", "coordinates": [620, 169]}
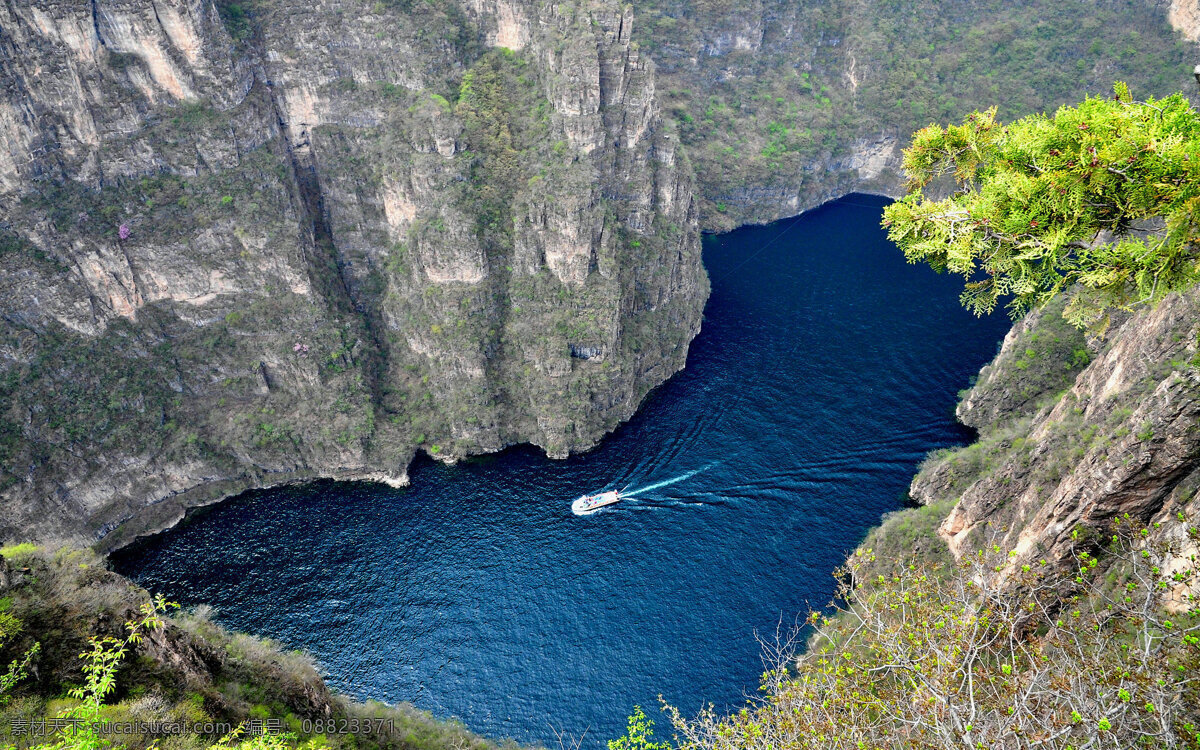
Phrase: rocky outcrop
{"type": "Point", "coordinates": [1039, 359]}
{"type": "Point", "coordinates": [864, 165]}
{"type": "Point", "coordinates": [1054, 468]}
{"type": "Point", "coordinates": [316, 239]}
{"type": "Point", "coordinates": [1184, 16]}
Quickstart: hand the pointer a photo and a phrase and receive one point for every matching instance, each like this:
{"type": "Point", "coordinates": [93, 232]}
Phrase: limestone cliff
{"type": "Point", "coordinates": [1185, 18]}
{"type": "Point", "coordinates": [312, 240]}
{"type": "Point", "coordinates": [1074, 433]}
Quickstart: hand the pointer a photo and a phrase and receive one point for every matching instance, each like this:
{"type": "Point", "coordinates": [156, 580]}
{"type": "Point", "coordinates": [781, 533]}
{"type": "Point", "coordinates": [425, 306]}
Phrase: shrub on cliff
{"type": "Point", "coordinates": [990, 656]}
{"type": "Point", "coordinates": [74, 664]}
{"type": "Point", "coordinates": [1102, 199]}
{"type": "Point", "coordinates": [79, 724]}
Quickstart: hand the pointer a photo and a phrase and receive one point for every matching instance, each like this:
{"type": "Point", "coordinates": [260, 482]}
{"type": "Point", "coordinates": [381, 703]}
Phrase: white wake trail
{"type": "Point", "coordinates": [666, 482]}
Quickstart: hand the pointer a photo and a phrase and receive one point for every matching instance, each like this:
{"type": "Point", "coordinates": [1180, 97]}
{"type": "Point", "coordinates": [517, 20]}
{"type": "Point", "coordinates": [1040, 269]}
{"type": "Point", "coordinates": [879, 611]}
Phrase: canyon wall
{"type": "Point", "coordinates": [785, 104]}
{"type": "Point", "coordinates": [243, 250]}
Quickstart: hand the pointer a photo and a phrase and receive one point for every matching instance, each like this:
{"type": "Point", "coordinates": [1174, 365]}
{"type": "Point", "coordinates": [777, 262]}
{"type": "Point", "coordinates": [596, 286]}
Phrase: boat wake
{"type": "Point", "coordinates": [666, 482]}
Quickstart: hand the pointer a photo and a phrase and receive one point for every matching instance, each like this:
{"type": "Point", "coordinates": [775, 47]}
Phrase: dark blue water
{"type": "Point", "coordinates": [826, 369]}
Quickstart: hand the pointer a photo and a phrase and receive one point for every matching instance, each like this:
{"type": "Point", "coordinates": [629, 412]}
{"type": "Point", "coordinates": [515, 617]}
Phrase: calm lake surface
{"type": "Point", "coordinates": [826, 369]}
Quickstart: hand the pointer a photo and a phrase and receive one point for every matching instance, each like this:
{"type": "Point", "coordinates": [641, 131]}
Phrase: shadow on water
{"type": "Point", "coordinates": [827, 367]}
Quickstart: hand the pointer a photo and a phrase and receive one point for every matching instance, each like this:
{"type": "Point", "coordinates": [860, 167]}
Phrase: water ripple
{"type": "Point", "coordinates": [826, 368]}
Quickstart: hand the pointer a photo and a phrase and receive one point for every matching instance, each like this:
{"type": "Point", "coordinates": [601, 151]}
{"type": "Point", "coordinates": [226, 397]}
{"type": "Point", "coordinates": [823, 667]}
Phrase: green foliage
{"type": "Point", "coordinates": [68, 602]}
{"type": "Point", "coordinates": [10, 627]}
{"type": "Point", "coordinates": [18, 551]}
{"type": "Point", "coordinates": [87, 392]}
{"type": "Point", "coordinates": [912, 532]}
{"type": "Point", "coordinates": [494, 100]}
{"type": "Point", "coordinates": [18, 669]}
{"type": "Point", "coordinates": [1049, 204]}
{"type": "Point", "coordinates": [264, 741]}
{"type": "Point", "coordinates": [404, 6]}
{"type": "Point", "coordinates": [959, 468]}
{"type": "Point", "coordinates": [1044, 358]}
{"type": "Point", "coordinates": [100, 680]}
{"type": "Point", "coordinates": [13, 245]}
{"type": "Point", "coordinates": [236, 17]}
{"type": "Point", "coordinates": [198, 114]}
{"type": "Point", "coordinates": [639, 735]}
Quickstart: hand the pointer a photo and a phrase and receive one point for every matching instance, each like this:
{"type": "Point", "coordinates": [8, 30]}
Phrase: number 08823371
{"type": "Point", "coordinates": [347, 726]}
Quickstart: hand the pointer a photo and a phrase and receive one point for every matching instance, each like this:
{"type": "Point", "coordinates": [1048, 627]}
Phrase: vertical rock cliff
{"type": "Point", "coordinates": [311, 241]}
{"type": "Point", "coordinates": [1075, 433]}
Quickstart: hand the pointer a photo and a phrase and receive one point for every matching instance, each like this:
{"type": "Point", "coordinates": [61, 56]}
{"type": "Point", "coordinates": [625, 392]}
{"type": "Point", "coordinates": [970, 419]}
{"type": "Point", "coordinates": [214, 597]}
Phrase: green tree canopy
{"type": "Point", "coordinates": [1102, 200]}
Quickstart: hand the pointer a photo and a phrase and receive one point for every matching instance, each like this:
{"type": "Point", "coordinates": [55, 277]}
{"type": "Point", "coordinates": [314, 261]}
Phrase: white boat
{"type": "Point", "coordinates": [592, 503]}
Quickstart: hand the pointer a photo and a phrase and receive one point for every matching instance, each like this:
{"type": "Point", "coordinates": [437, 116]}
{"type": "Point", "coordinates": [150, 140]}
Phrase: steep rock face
{"type": "Point", "coordinates": [61, 61]}
{"type": "Point", "coordinates": [1185, 18]}
{"type": "Point", "coordinates": [1121, 439]}
{"type": "Point", "coordinates": [1040, 357]}
{"type": "Point", "coordinates": [715, 58]}
{"type": "Point", "coordinates": [342, 234]}
{"type": "Point", "coordinates": [545, 209]}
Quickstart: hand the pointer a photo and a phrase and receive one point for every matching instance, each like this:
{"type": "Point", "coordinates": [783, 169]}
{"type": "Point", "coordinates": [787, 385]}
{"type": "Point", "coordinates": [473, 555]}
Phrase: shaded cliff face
{"type": "Point", "coordinates": [1075, 433]}
{"type": "Point", "coordinates": [311, 247]}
